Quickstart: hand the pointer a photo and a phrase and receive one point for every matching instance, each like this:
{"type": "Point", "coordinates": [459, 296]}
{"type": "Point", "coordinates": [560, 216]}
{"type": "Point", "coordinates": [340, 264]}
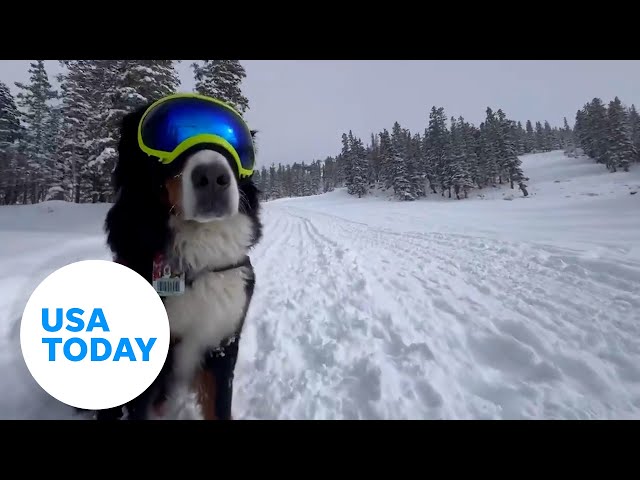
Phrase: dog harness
{"type": "Point", "coordinates": [192, 277]}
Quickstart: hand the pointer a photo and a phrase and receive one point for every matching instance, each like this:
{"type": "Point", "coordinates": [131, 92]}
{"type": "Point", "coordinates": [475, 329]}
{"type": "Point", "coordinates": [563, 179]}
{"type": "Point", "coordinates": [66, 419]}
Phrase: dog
{"type": "Point", "coordinates": [205, 219]}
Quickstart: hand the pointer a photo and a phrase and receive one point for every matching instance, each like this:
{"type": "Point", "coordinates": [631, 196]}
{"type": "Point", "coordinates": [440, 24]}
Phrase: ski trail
{"type": "Point", "coordinates": [370, 323]}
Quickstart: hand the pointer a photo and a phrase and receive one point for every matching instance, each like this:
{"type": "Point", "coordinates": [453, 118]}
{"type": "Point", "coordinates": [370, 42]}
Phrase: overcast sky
{"type": "Point", "coordinates": [302, 107]}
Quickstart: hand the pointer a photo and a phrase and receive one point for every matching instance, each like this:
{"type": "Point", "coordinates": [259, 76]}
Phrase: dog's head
{"type": "Point", "coordinates": [200, 187]}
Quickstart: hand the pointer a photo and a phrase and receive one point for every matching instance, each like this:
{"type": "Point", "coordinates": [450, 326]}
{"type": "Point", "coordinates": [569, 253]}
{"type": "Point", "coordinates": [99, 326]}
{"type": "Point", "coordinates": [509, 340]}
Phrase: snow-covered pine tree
{"type": "Point", "coordinates": [34, 101]}
{"type": "Point", "coordinates": [416, 166]}
{"type": "Point", "coordinates": [385, 174]}
{"type": "Point", "coordinates": [468, 142]}
{"type": "Point", "coordinates": [373, 152]}
{"type": "Point", "coordinates": [455, 162]}
{"type": "Point", "coordinates": [273, 182]}
{"type": "Point", "coordinates": [597, 131]}
{"type": "Point", "coordinates": [348, 160]}
{"type": "Point", "coordinates": [313, 180]}
{"type": "Point", "coordinates": [621, 149]}
{"type": "Point", "coordinates": [129, 84]}
{"type": "Point", "coordinates": [530, 138]}
{"type": "Point", "coordinates": [437, 148]}
{"type": "Point", "coordinates": [222, 79]}
{"type": "Point", "coordinates": [10, 128]}
{"type": "Point", "coordinates": [491, 144]}
{"type": "Point", "coordinates": [548, 142]}
{"type": "Point", "coordinates": [264, 186]}
{"type": "Point", "coordinates": [81, 124]}
{"type": "Point", "coordinates": [539, 138]}
{"type": "Point", "coordinates": [359, 169]}
{"type": "Point", "coordinates": [340, 171]}
{"type": "Point", "coordinates": [285, 180]}
{"type": "Point", "coordinates": [386, 160]}
{"type": "Point", "coordinates": [520, 139]}
{"type": "Point", "coordinates": [401, 184]}
{"type": "Point", "coordinates": [566, 136]}
{"type": "Point", "coordinates": [580, 138]}
{"type": "Point", "coordinates": [512, 163]}
{"type": "Point", "coordinates": [504, 144]}
{"type": "Point", "coordinates": [56, 189]}
{"type": "Point", "coordinates": [634, 123]}
{"type": "Point", "coordinates": [10, 132]}
{"type": "Point", "coordinates": [329, 174]}
{"type": "Point", "coordinates": [482, 152]}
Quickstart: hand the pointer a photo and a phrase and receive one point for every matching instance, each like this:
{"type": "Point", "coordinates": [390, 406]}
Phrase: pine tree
{"type": "Point", "coordinates": [9, 118]}
{"type": "Point", "coordinates": [55, 188]}
{"type": "Point", "coordinates": [530, 138]}
{"type": "Point", "coordinates": [386, 160]}
{"type": "Point", "coordinates": [634, 123]}
{"type": "Point", "coordinates": [359, 182]}
{"type": "Point", "coordinates": [567, 142]}
{"type": "Point", "coordinates": [539, 138]}
{"type": "Point", "coordinates": [346, 157]}
{"type": "Point", "coordinates": [437, 148]}
{"type": "Point", "coordinates": [34, 101]}
{"type": "Point", "coordinates": [416, 168]}
{"type": "Point", "coordinates": [222, 79]}
{"type": "Point", "coordinates": [373, 174]}
{"type": "Point", "coordinates": [547, 142]}
{"type": "Point", "coordinates": [80, 126]}
{"type": "Point", "coordinates": [597, 131]}
{"type": "Point", "coordinates": [401, 184]}
{"type": "Point", "coordinates": [520, 139]}
{"type": "Point", "coordinates": [621, 150]}
{"type": "Point", "coordinates": [490, 161]}
{"type": "Point", "coordinates": [10, 133]}
{"type": "Point", "coordinates": [457, 173]}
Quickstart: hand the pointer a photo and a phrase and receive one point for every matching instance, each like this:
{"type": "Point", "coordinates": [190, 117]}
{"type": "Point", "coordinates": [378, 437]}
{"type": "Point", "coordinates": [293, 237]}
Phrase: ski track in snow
{"type": "Point", "coordinates": [375, 324]}
{"type": "Point", "coordinates": [354, 318]}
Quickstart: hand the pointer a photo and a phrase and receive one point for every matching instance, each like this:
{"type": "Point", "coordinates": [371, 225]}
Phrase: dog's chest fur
{"type": "Point", "coordinates": [211, 309]}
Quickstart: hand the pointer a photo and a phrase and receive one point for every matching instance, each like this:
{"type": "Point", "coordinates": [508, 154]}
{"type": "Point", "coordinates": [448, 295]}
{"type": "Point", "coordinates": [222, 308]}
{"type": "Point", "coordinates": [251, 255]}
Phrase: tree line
{"type": "Point", "coordinates": [452, 157]}
{"type": "Point", "coordinates": [60, 144]}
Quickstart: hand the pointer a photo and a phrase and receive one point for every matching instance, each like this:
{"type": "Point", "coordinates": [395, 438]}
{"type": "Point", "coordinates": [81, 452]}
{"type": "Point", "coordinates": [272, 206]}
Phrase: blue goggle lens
{"type": "Point", "coordinates": [172, 122]}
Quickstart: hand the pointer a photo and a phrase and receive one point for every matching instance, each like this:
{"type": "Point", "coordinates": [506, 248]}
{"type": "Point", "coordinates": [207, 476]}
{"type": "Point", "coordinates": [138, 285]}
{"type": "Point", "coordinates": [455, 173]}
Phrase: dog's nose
{"type": "Point", "coordinates": [210, 177]}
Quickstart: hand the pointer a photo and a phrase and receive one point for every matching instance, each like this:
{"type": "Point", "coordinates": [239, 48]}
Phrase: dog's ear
{"type": "Point", "coordinates": [136, 224]}
{"type": "Point", "coordinates": [132, 161]}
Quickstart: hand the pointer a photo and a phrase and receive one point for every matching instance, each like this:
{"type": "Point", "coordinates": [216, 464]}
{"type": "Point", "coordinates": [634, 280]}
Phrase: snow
{"type": "Point", "coordinates": [370, 308]}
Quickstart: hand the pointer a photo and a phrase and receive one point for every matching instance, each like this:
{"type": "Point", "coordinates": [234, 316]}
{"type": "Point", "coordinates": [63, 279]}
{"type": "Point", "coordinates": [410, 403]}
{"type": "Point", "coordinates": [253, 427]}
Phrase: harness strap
{"type": "Point", "coordinates": [190, 278]}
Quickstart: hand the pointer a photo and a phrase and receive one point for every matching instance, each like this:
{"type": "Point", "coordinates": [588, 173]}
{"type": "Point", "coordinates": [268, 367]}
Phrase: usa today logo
{"type": "Point", "coordinates": [94, 334]}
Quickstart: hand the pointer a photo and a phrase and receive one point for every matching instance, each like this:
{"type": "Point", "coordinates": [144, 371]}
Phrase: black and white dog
{"type": "Point", "coordinates": [204, 219]}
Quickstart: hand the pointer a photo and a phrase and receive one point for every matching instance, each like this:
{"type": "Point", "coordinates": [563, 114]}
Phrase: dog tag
{"type": "Point", "coordinates": [166, 281]}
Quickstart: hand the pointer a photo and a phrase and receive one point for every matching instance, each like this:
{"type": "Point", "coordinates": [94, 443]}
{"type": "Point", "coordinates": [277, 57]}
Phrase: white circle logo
{"type": "Point", "coordinates": [94, 334]}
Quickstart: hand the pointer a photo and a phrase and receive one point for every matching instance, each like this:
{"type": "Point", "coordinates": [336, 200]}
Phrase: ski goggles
{"type": "Point", "coordinates": [178, 122]}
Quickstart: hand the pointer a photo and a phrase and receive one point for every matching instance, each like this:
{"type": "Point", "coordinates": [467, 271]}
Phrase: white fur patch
{"type": "Point", "coordinates": [206, 314]}
{"type": "Point", "coordinates": [210, 245]}
{"type": "Point", "coordinates": [211, 309]}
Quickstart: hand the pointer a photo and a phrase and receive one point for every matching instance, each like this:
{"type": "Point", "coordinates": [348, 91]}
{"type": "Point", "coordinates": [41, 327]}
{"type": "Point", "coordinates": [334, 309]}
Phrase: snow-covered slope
{"type": "Point", "coordinates": [366, 308]}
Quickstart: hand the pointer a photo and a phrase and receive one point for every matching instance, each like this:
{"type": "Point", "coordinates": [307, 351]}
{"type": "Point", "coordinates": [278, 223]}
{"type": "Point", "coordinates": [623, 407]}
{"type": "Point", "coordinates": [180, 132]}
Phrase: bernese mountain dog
{"type": "Point", "coordinates": [207, 218]}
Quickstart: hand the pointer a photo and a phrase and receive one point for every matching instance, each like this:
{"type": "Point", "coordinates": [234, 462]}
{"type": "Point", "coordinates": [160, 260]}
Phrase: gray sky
{"type": "Point", "coordinates": [301, 107]}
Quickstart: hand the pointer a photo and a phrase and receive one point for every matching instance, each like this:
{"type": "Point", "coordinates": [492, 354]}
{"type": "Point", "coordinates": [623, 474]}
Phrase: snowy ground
{"type": "Point", "coordinates": [483, 308]}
